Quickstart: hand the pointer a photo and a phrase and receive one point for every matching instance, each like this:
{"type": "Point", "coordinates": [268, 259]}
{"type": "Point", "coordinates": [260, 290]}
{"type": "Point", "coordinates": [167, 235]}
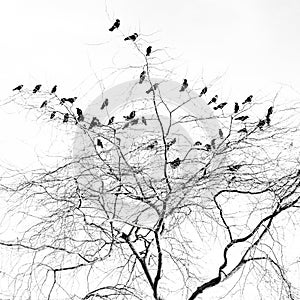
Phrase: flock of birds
{"type": "Point", "coordinates": [175, 163]}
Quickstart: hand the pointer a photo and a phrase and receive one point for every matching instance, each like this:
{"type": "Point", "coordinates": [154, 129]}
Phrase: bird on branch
{"type": "Point", "coordinates": [184, 85]}
{"type": "Point", "coordinates": [175, 163]}
{"type": "Point", "coordinates": [99, 143]}
{"type": "Point", "coordinates": [18, 88]}
{"type": "Point", "coordinates": [148, 50]}
{"type": "Point", "coordinates": [220, 106]}
{"type": "Point", "coordinates": [248, 100]}
{"type": "Point", "coordinates": [213, 100]}
{"type": "Point", "coordinates": [37, 88]}
{"type": "Point", "coordinates": [70, 100]}
{"type": "Point", "coordinates": [155, 85]}
{"type": "Point", "coordinates": [261, 124]}
{"type": "Point", "coordinates": [44, 104]}
{"type": "Point", "coordinates": [243, 130]}
{"type": "Point", "coordinates": [104, 104]}
{"type": "Point", "coordinates": [130, 117]}
{"type": "Point", "coordinates": [236, 107]}
{"type": "Point", "coordinates": [234, 168]}
{"type": "Point", "coordinates": [132, 37]}
{"type": "Point", "coordinates": [54, 89]}
{"type": "Point", "coordinates": [115, 25]}
{"type": "Point", "coordinates": [52, 114]}
{"type": "Point", "coordinates": [66, 118]}
{"type": "Point", "coordinates": [242, 118]}
{"type": "Point", "coordinates": [203, 92]}
{"type": "Point", "coordinates": [79, 114]}
{"type": "Point", "coordinates": [142, 77]}
{"type": "Point", "coordinates": [111, 120]}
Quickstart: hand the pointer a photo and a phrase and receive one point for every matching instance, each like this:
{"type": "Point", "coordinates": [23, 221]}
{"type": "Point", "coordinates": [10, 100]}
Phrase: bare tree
{"type": "Point", "coordinates": [160, 195]}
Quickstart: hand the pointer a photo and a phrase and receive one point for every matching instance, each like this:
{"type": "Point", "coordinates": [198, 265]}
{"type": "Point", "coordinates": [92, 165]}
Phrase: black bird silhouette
{"type": "Point", "coordinates": [221, 105]}
{"type": "Point", "coordinates": [79, 114]}
{"type": "Point", "coordinates": [155, 85]}
{"type": "Point", "coordinates": [148, 51]}
{"type": "Point", "coordinates": [242, 130]}
{"type": "Point", "coordinates": [142, 77]}
{"type": "Point", "coordinates": [170, 143]}
{"type": "Point", "coordinates": [115, 26]}
{"type": "Point", "coordinates": [144, 120]}
{"type": "Point", "coordinates": [213, 100]}
{"type": "Point", "coordinates": [184, 85]}
{"type": "Point", "coordinates": [203, 92]}
{"type": "Point", "coordinates": [234, 168]}
{"type": "Point", "coordinates": [99, 143]}
{"type": "Point", "coordinates": [44, 104]}
{"type": "Point", "coordinates": [261, 124]}
{"type": "Point", "coordinates": [268, 120]}
{"type": "Point", "coordinates": [66, 118]}
{"type": "Point", "coordinates": [248, 100]}
{"type": "Point", "coordinates": [104, 104]}
{"type": "Point", "coordinates": [221, 134]}
{"type": "Point", "coordinates": [54, 89]}
{"type": "Point", "coordinates": [111, 120]}
{"type": "Point", "coordinates": [236, 107]}
{"type": "Point", "coordinates": [207, 147]}
{"type": "Point", "coordinates": [152, 145]}
{"type": "Point", "coordinates": [95, 122]}
{"type": "Point", "coordinates": [130, 117]}
{"type": "Point", "coordinates": [37, 88]}
{"type": "Point", "coordinates": [175, 163]}
{"type": "Point", "coordinates": [242, 118]}
{"type": "Point", "coordinates": [62, 101]}
{"type": "Point", "coordinates": [132, 37]}
{"type": "Point", "coordinates": [52, 114]}
{"type": "Point", "coordinates": [71, 100]}
{"type": "Point", "coordinates": [18, 88]}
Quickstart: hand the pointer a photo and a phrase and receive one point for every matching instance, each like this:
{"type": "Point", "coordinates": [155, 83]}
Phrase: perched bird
{"type": "Point", "coordinates": [18, 88]}
{"type": "Point", "coordinates": [243, 130]}
{"type": "Point", "coordinates": [221, 105]}
{"type": "Point", "coordinates": [155, 85]}
{"type": "Point", "coordinates": [184, 85]}
{"type": "Point", "coordinates": [130, 117]}
{"type": "Point", "coordinates": [248, 100]}
{"type": "Point", "coordinates": [170, 143]}
{"type": "Point", "coordinates": [132, 37]}
{"type": "Point", "coordinates": [44, 104]}
{"type": "Point", "coordinates": [52, 114]}
{"type": "Point", "coordinates": [144, 121]}
{"type": "Point", "coordinates": [142, 77]}
{"type": "Point", "coordinates": [261, 124]}
{"type": "Point", "coordinates": [79, 114]}
{"type": "Point", "coordinates": [213, 143]}
{"type": "Point", "coordinates": [268, 120]}
{"type": "Point", "coordinates": [99, 143]}
{"type": "Point", "coordinates": [71, 100]}
{"type": "Point", "coordinates": [207, 147]}
{"type": "Point", "coordinates": [66, 118]}
{"type": "Point", "coordinates": [104, 104]}
{"type": "Point", "coordinates": [62, 101]}
{"type": "Point", "coordinates": [148, 51]}
{"type": "Point", "coordinates": [203, 92]}
{"type": "Point", "coordinates": [54, 89]}
{"type": "Point", "coordinates": [95, 122]}
{"type": "Point", "coordinates": [198, 143]}
{"type": "Point", "coordinates": [37, 88]}
{"type": "Point", "coordinates": [221, 134]}
{"type": "Point", "coordinates": [152, 145]}
{"type": "Point", "coordinates": [242, 118]}
{"type": "Point", "coordinates": [236, 107]}
{"type": "Point", "coordinates": [234, 168]}
{"type": "Point", "coordinates": [270, 111]}
{"type": "Point", "coordinates": [175, 163]}
{"type": "Point", "coordinates": [115, 26]}
{"type": "Point", "coordinates": [213, 100]}
{"type": "Point", "coordinates": [111, 120]}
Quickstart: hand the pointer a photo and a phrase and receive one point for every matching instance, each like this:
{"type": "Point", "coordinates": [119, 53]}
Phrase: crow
{"type": "Point", "coordinates": [242, 130]}
{"type": "Point", "coordinates": [44, 104]}
{"type": "Point", "coordinates": [115, 26]}
{"type": "Point", "coordinates": [184, 85]}
{"type": "Point", "coordinates": [270, 111]}
{"type": "Point", "coordinates": [268, 120]}
{"type": "Point", "coordinates": [236, 107]}
{"type": "Point", "coordinates": [221, 105]}
{"type": "Point", "coordinates": [104, 104]}
{"type": "Point", "coordinates": [203, 92]}
{"type": "Point", "coordinates": [79, 112]}
{"type": "Point", "coordinates": [111, 120]}
{"type": "Point", "coordinates": [18, 88]}
{"type": "Point", "coordinates": [142, 77]}
{"type": "Point", "coordinates": [248, 100]}
{"type": "Point", "coordinates": [198, 143]}
{"type": "Point", "coordinates": [71, 100]}
{"type": "Point", "coordinates": [130, 117]}
{"type": "Point", "coordinates": [207, 147]}
{"type": "Point", "coordinates": [99, 143]}
{"type": "Point", "coordinates": [62, 101]}
{"type": "Point", "coordinates": [155, 85]}
{"type": "Point", "coordinates": [54, 89]}
{"type": "Point", "coordinates": [261, 124]}
{"type": "Point", "coordinates": [132, 37]}
{"type": "Point", "coordinates": [144, 120]}
{"type": "Point", "coordinates": [37, 88]}
{"type": "Point", "coordinates": [213, 100]}
{"type": "Point", "coordinates": [148, 51]}
{"type": "Point", "coordinates": [66, 118]}
{"type": "Point", "coordinates": [175, 163]}
{"type": "Point", "coordinates": [242, 118]}
{"type": "Point", "coordinates": [221, 134]}
{"type": "Point", "coordinates": [52, 114]}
